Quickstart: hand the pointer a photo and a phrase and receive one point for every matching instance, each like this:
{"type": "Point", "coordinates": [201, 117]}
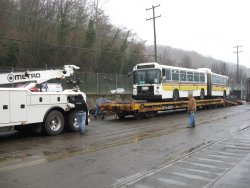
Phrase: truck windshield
{"type": "Point", "coordinates": [151, 76]}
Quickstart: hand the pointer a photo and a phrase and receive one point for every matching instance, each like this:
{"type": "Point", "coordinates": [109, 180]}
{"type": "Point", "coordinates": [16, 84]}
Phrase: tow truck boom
{"type": "Point", "coordinates": [37, 77]}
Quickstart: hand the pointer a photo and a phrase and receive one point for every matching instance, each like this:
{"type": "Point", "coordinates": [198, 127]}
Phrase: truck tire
{"type": "Point", "coordinates": [72, 122]}
{"type": "Point", "coordinates": [54, 123]}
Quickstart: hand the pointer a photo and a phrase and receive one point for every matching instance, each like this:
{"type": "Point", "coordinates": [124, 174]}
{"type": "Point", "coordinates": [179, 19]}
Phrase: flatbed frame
{"type": "Point", "coordinates": [149, 109]}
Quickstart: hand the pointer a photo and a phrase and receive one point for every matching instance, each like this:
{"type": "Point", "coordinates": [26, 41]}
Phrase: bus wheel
{"type": "Point", "coordinates": [175, 95]}
{"type": "Point", "coordinates": [224, 95]}
{"type": "Point", "coordinates": [54, 123]}
{"type": "Point", "coordinates": [202, 94]}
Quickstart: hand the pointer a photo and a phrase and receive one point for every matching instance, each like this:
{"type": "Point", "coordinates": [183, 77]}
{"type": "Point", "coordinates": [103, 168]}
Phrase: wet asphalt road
{"type": "Point", "coordinates": [115, 152]}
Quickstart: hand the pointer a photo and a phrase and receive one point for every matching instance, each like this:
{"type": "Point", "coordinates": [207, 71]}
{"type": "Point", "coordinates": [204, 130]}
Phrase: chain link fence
{"type": "Point", "coordinates": [91, 83]}
{"type": "Point", "coordinates": [101, 83]}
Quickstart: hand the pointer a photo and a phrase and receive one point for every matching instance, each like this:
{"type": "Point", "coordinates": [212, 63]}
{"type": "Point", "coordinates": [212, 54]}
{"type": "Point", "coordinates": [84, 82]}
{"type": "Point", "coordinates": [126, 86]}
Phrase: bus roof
{"type": "Point", "coordinates": [152, 65]}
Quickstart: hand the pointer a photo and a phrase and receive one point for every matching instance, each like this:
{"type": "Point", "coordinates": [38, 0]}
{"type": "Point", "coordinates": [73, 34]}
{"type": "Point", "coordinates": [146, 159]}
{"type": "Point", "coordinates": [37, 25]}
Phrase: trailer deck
{"type": "Point", "coordinates": [149, 109]}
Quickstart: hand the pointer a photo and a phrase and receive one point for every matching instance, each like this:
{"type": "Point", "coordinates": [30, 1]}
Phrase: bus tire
{"type": "Point", "coordinates": [72, 125]}
{"type": "Point", "coordinates": [176, 95]}
{"type": "Point", "coordinates": [54, 123]}
{"type": "Point", "coordinates": [224, 94]}
{"type": "Point", "coordinates": [202, 94]}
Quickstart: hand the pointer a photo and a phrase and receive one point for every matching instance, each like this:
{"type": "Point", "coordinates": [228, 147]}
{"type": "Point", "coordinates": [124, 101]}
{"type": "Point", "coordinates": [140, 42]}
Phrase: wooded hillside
{"type": "Point", "coordinates": [56, 32]}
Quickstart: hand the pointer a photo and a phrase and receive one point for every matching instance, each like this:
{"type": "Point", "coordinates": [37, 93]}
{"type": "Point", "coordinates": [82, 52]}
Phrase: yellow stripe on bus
{"type": "Point", "coordinates": [219, 88]}
{"type": "Point", "coordinates": [184, 87]}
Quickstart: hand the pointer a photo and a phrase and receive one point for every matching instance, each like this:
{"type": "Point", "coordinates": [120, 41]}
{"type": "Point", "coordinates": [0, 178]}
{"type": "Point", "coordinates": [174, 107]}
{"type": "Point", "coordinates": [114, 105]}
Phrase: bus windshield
{"type": "Point", "coordinates": [151, 76]}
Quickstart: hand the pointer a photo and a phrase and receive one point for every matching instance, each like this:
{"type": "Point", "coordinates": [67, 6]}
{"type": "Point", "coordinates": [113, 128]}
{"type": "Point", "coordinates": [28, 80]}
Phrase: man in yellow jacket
{"type": "Point", "coordinates": [191, 110]}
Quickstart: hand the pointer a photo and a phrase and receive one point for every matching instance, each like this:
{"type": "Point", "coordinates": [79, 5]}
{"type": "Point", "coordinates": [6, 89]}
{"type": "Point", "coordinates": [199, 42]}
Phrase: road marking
{"type": "Point", "coordinates": [13, 167]}
{"type": "Point", "coordinates": [139, 176]}
{"type": "Point", "coordinates": [171, 181]}
{"type": "Point", "coordinates": [190, 176]}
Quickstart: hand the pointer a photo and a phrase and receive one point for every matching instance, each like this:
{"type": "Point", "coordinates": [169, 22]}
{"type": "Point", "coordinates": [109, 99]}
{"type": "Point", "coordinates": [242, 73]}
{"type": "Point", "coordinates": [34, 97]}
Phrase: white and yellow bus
{"type": "Point", "coordinates": [155, 82]}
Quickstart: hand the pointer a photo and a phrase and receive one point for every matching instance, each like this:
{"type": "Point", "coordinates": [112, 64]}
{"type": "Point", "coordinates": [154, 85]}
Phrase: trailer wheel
{"type": "Point", "coordinates": [175, 95]}
{"type": "Point", "coordinates": [54, 123]}
{"type": "Point", "coordinates": [202, 94]}
{"type": "Point", "coordinates": [121, 116]}
{"type": "Point", "coordinates": [72, 122]}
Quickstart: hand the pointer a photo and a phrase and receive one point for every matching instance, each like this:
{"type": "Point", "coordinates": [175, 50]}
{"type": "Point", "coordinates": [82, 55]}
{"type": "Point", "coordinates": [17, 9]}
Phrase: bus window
{"type": "Point", "coordinates": [217, 79]}
{"type": "Point", "coordinates": [196, 77]}
{"type": "Point", "coordinates": [168, 75]}
{"type": "Point", "coordinates": [202, 77]}
{"type": "Point", "coordinates": [190, 76]}
{"type": "Point", "coordinates": [163, 72]}
{"type": "Point", "coordinates": [175, 75]}
{"type": "Point", "coordinates": [213, 79]}
{"type": "Point", "coordinates": [183, 76]}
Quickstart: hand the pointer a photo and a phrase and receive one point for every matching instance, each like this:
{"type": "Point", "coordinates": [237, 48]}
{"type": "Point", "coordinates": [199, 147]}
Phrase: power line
{"type": "Point", "coordinates": [237, 52]}
{"type": "Point", "coordinates": [153, 18]}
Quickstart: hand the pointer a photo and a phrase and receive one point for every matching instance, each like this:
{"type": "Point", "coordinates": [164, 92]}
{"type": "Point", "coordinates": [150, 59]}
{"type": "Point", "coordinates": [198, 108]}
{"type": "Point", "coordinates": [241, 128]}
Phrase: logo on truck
{"type": "Point", "coordinates": [14, 77]}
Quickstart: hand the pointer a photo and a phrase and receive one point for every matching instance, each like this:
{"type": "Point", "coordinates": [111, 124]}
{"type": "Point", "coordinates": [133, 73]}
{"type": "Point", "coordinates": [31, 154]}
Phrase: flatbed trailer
{"type": "Point", "coordinates": [150, 109]}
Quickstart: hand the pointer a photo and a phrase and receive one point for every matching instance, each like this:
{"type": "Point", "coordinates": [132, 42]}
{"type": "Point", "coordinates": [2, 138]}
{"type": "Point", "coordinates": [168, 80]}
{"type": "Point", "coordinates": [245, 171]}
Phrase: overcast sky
{"type": "Point", "coordinates": [210, 27]}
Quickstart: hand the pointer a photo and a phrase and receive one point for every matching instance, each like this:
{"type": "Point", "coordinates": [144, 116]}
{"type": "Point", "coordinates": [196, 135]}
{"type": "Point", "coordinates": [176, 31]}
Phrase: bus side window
{"type": "Point", "coordinates": [202, 77]}
{"type": "Point", "coordinates": [163, 72]}
{"type": "Point", "coordinates": [190, 76]}
{"type": "Point", "coordinates": [183, 76]}
{"type": "Point", "coordinates": [213, 79]}
{"type": "Point", "coordinates": [168, 75]}
{"type": "Point", "coordinates": [196, 77]}
{"type": "Point", "coordinates": [175, 75]}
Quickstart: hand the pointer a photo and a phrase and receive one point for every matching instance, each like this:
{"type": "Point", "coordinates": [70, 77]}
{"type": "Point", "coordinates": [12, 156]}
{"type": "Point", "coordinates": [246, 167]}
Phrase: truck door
{"type": "Point", "coordinates": [4, 107]}
{"type": "Point", "coordinates": [18, 106]}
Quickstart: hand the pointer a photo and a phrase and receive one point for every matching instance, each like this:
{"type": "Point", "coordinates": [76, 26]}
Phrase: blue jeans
{"type": "Point", "coordinates": [191, 119]}
{"type": "Point", "coordinates": [81, 121]}
{"type": "Point", "coordinates": [97, 111]}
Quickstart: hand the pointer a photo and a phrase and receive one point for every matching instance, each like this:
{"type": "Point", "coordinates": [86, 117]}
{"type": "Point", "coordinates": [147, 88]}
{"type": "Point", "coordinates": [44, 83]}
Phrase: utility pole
{"type": "Point", "coordinates": [237, 52]}
{"type": "Point", "coordinates": [153, 18]}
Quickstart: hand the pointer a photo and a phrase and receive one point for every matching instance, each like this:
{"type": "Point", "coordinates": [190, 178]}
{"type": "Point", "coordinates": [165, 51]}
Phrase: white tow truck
{"type": "Point", "coordinates": [48, 112]}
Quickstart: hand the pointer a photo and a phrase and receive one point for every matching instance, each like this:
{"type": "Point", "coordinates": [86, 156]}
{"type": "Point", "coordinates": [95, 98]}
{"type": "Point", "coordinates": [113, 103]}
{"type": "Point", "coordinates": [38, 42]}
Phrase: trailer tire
{"type": "Point", "coordinates": [121, 116]}
{"type": "Point", "coordinates": [72, 122]}
{"type": "Point", "coordinates": [54, 123]}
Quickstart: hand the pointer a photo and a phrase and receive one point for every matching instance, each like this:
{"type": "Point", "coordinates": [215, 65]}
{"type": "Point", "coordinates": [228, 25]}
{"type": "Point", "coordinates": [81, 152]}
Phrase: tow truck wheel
{"type": "Point", "coordinates": [54, 123]}
{"type": "Point", "coordinates": [72, 122]}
